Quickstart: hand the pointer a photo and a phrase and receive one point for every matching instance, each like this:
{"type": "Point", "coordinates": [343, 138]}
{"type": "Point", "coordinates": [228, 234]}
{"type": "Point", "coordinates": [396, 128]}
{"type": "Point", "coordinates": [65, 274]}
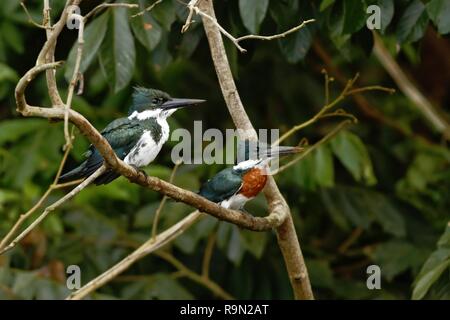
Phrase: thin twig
{"type": "Point", "coordinates": [75, 77]}
{"type": "Point", "coordinates": [109, 5]}
{"type": "Point", "coordinates": [275, 36]}
{"type": "Point", "coordinates": [185, 271]}
{"type": "Point", "coordinates": [208, 254]}
{"type": "Point", "coordinates": [163, 202]}
{"type": "Point", "coordinates": [30, 18]}
{"type": "Point", "coordinates": [149, 8]}
{"type": "Point", "coordinates": [191, 5]}
{"type": "Point", "coordinates": [325, 139]}
{"type": "Point", "coordinates": [324, 112]}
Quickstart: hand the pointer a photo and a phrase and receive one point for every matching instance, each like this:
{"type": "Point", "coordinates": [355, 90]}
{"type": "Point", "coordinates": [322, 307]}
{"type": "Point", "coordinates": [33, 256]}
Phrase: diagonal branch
{"type": "Point", "coordinates": [51, 208]}
{"type": "Point", "coordinates": [149, 246]}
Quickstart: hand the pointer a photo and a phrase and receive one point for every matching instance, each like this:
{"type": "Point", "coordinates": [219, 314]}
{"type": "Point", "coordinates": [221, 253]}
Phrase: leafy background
{"type": "Point", "coordinates": [378, 193]}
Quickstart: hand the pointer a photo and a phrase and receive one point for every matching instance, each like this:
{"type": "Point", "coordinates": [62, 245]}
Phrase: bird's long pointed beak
{"type": "Point", "coordinates": [278, 151]}
{"type": "Point", "coordinates": [176, 103]}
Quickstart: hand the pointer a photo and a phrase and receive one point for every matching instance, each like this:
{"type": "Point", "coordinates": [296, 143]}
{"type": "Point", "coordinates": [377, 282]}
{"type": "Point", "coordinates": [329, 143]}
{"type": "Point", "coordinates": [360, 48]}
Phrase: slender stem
{"type": "Point", "coordinates": [275, 36]}
{"type": "Point", "coordinates": [109, 5]}
{"type": "Point", "coordinates": [148, 9]}
{"type": "Point", "coordinates": [325, 139]}
{"type": "Point", "coordinates": [185, 271]}
{"type": "Point", "coordinates": [162, 203]}
{"type": "Point", "coordinates": [208, 254]}
{"type": "Point", "coordinates": [75, 77]}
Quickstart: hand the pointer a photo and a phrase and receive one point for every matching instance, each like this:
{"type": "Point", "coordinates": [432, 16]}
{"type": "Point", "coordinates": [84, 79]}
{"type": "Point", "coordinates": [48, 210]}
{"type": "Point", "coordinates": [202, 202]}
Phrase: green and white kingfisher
{"type": "Point", "coordinates": [234, 186]}
{"type": "Point", "coordinates": [136, 139]}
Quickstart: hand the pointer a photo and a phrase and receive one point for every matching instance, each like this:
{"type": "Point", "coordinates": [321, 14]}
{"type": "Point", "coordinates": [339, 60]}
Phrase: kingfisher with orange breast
{"type": "Point", "coordinates": [234, 186]}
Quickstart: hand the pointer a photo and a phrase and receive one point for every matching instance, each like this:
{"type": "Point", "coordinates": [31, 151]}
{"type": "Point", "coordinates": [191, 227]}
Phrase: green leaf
{"type": "Point", "coordinates": [165, 13]}
{"type": "Point", "coordinates": [354, 16]}
{"type": "Point", "coordinates": [325, 4]}
{"type": "Point", "coordinates": [24, 285]}
{"type": "Point", "coordinates": [320, 273]}
{"type": "Point", "coordinates": [254, 242]}
{"type": "Point", "coordinates": [413, 22]}
{"type": "Point", "coordinates": [444, 241]}
{"type": "Point", "coordinates": [117, 53]}
{"type": "Point", "coordinates": [386, 214]}
{"type": "Point", "coordinates": [12, 130]}
{"type": "Point", "coordinates": [146, 30]}
{"type": "Point", "coordinates": [253, 13]}
{"type": "Point", "coordinates": [295, 46]}
{"type": "Point", "coordinates": [352, 153]}
{"type": "Point", "coordinates": [395, 257]}
{"type": "Point", "coordinates": [336, 214]}
{"type": "Point", "coordinates": [387, 13]}
{"type": "Point", "coordinates": [428, 279]}
{"type": "Point", "coordinates": [7, 73]}
{"type": "Point", "coordinates": [435, 265]}
{"type": "Point", "coordinates": [323, 166]}
{"type": "Point", "coordinates": [287, 14]}
{"type": "Point", "coordinates": [439, 12]}
{"type": "Point", "coordinates": [13, 37]}
{"type": "Point", "coordinates": [93, 37]}
{"type": "Point", "coordinates": [236, 250]}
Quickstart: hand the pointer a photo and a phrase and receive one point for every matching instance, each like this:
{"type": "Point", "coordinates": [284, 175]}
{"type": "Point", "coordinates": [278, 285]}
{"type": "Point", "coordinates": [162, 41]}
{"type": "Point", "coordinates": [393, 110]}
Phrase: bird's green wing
{"type": "Point", "coordinates": [122, 134]}
{"type": "Point", "coordinates": [222, 186]}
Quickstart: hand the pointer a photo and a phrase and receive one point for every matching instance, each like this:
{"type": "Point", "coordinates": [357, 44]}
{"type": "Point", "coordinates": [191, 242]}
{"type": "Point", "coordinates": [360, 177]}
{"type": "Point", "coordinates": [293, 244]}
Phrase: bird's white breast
{"type": "Point", "coordinates": [235, 202]}
{"type": "Point", "coordinates": [146, 149]}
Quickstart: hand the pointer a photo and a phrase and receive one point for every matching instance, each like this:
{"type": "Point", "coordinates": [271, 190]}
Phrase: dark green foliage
{"type": "Point", "coordinates": [375, 194]}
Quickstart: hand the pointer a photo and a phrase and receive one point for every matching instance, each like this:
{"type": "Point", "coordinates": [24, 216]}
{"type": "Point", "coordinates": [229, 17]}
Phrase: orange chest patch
{"type": "Point", "coordinates": [253, 182]}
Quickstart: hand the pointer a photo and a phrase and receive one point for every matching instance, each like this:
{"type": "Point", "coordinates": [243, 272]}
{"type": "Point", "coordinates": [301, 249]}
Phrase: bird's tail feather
{"type": "Point", "coordinates": [107, 177]}
{"type": "Point", "coordinates": [73, 174]}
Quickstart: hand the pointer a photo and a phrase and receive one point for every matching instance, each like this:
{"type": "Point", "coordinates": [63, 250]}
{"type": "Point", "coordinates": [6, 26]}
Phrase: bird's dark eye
{"type": "Point", "coordinates": [158, 100]}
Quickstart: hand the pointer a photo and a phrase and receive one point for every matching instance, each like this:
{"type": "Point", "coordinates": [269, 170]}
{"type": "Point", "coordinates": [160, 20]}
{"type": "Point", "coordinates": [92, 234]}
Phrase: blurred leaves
{"type": "Point", "coordinates": [253, 13]}
{"type": "Point", "coordinates": [439, 12]}
{"type": "Point", "coordinates": [93, 37]}
{"type": "Point", "coordinates": [436, 266]}
{"type": "Point", "coordinates": [354, 15]}
{"type": "Point", "coordinates": [352, 153]}
{"type": "Point", "coordinates": [117, 52]}
{"type": "Point", "coordinates": [413, 22]}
